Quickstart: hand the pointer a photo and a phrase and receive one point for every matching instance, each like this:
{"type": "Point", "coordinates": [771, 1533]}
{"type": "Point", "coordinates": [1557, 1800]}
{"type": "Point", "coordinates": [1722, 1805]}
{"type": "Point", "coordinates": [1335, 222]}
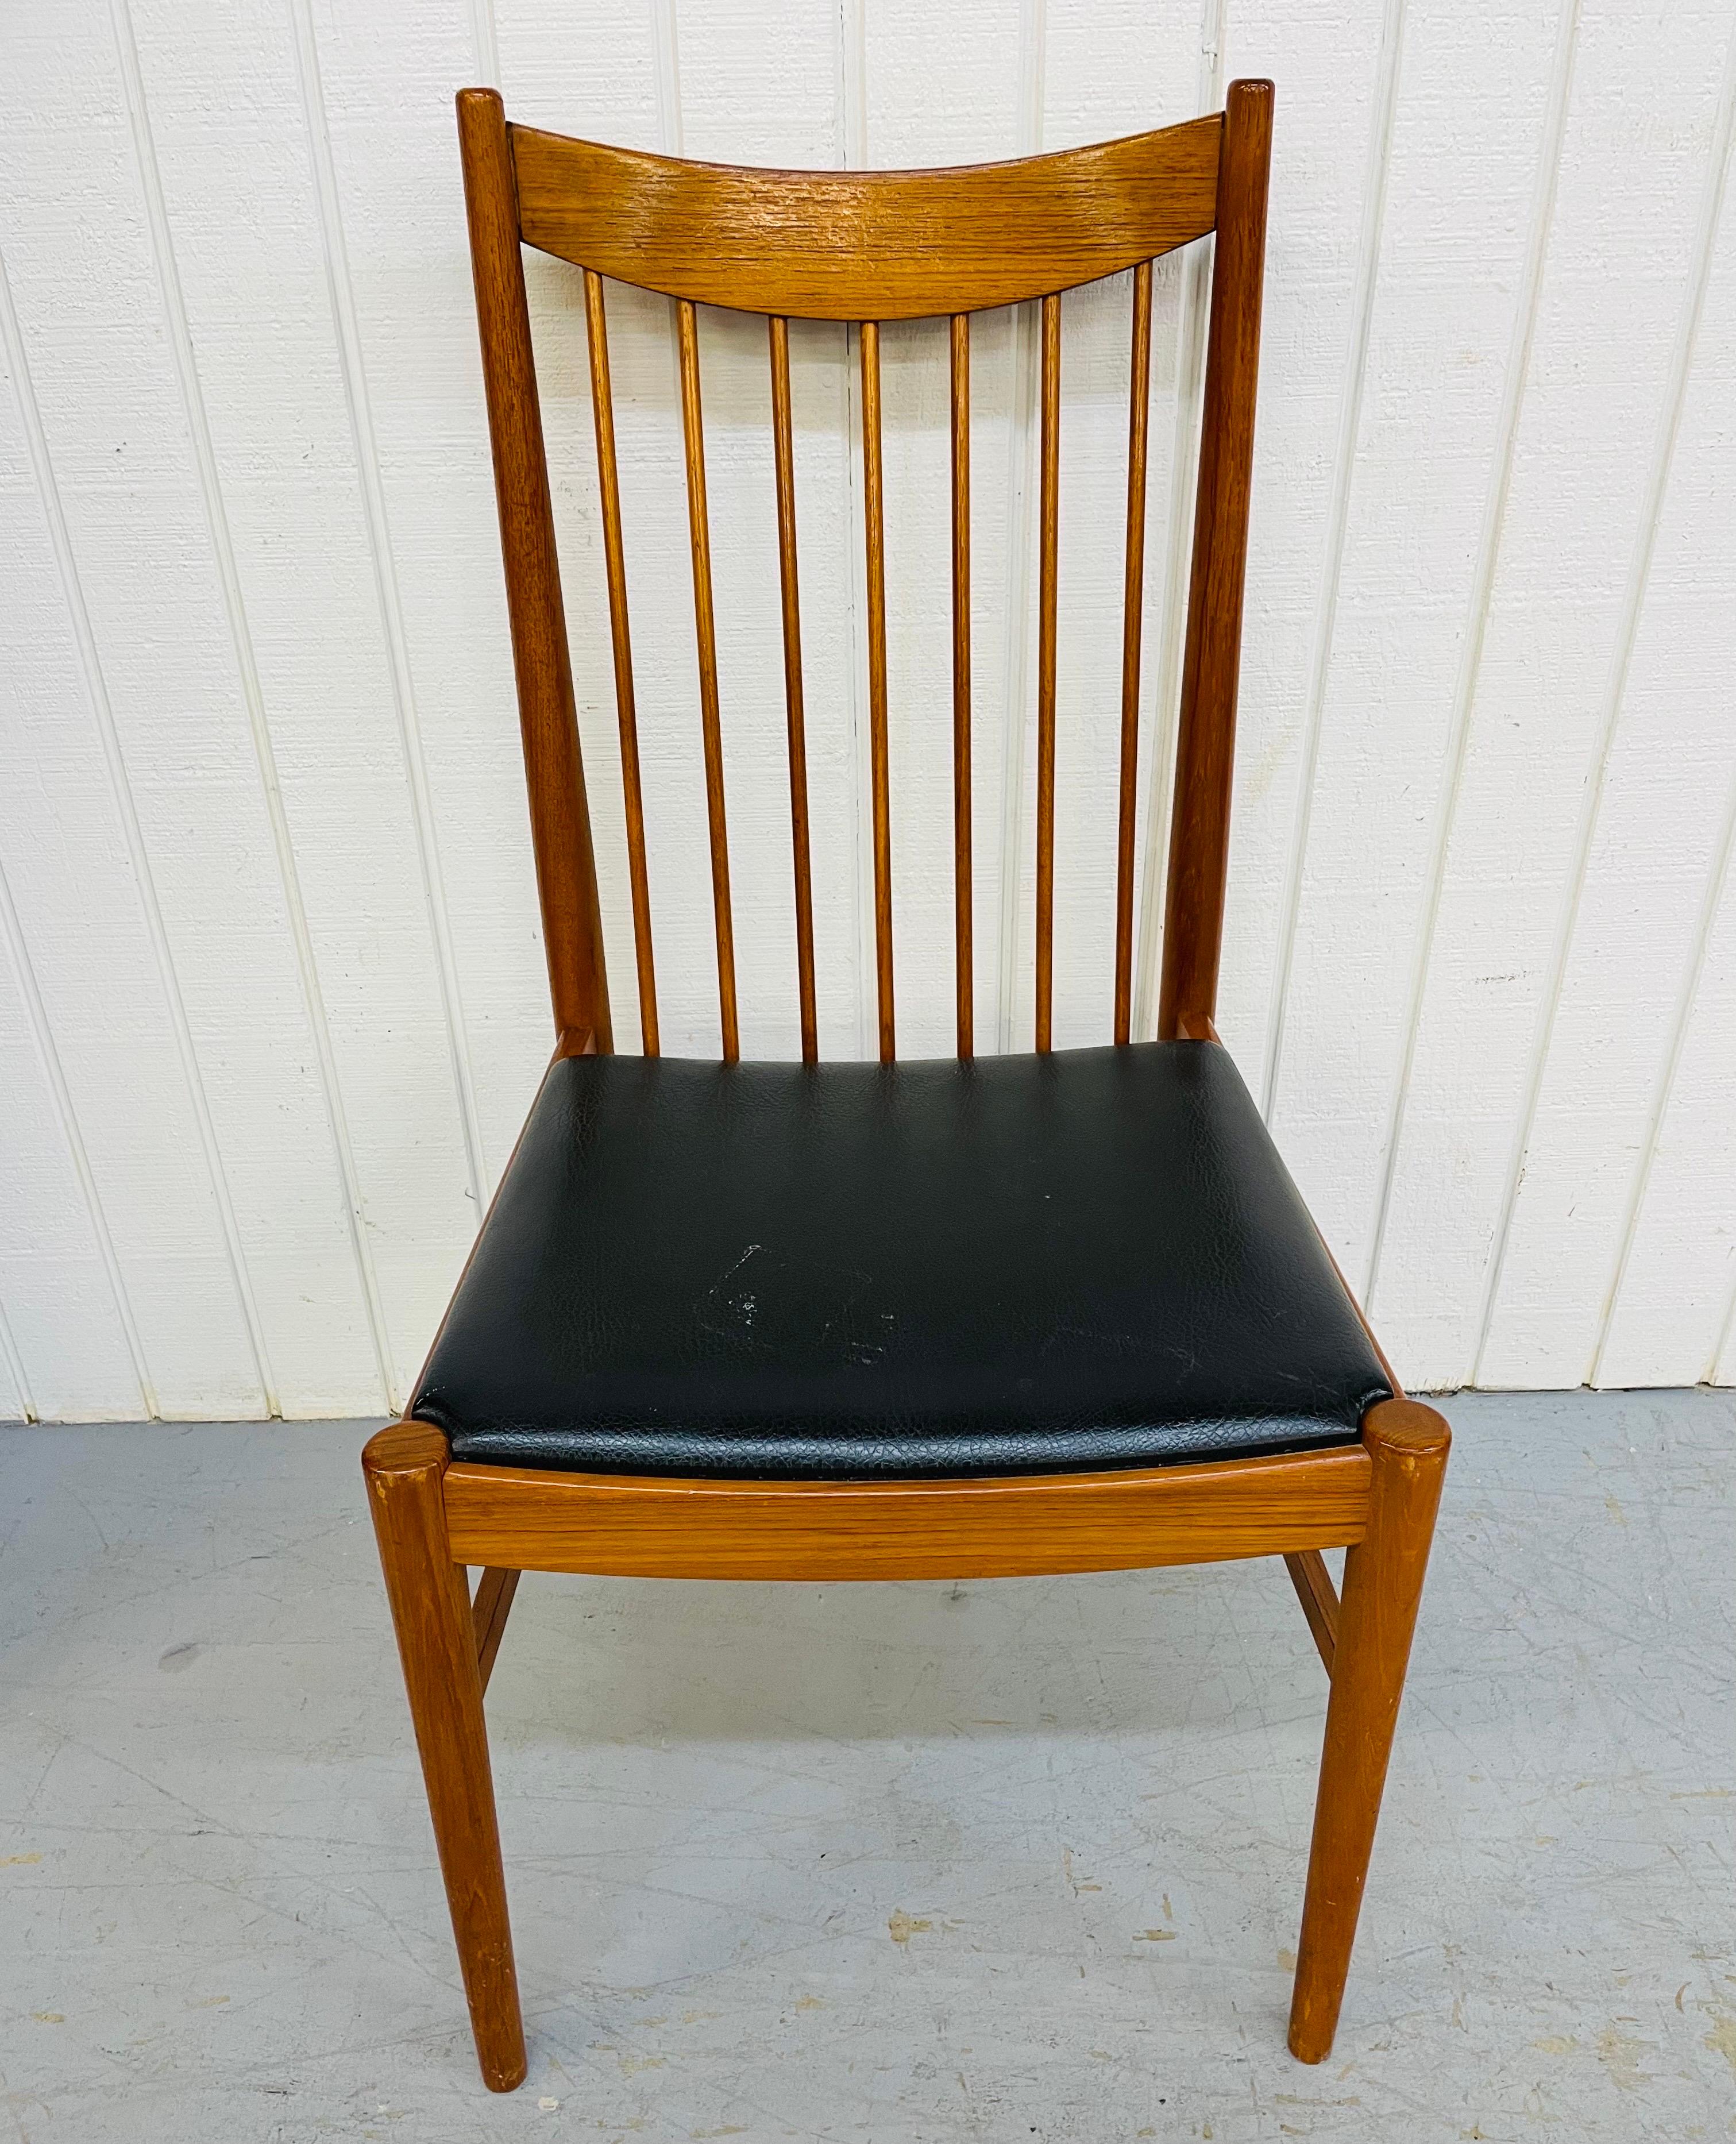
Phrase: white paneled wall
{"type": "Point", "coordinates": [272, 1001]}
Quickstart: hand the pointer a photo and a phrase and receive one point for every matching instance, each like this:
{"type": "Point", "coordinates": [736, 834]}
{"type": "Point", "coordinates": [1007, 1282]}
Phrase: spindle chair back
{"type": "Point", "coordinates": [869, 248]}
{"type": "Point", "coordinates": [866, 248]}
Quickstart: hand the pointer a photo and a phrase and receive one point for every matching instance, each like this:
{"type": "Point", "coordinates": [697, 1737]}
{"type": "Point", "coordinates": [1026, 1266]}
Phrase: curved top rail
{"type": "Point", "coordinates": [879, 245]}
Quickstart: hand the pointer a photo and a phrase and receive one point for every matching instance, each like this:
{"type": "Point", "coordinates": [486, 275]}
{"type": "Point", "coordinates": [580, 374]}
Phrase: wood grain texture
{"type": "Point", "coordinates": [490, 1606]}
{"type": "Point", "coordinates": [1406, 1445]}
{"type": "Point", "coordinates": [789, 589]}
{"type": "Point", "coordinates": [647, 1527]}
{"type": "Point", "coordinates": [1133, 621]}
{"type": "Point", "coordinates": [705, 626]}
{"type": "Point", "coordinates": [436, 1644]}
{"type": "Point", "coordinates": [1319, 1599]}
{"type": "Point", "coordinates": [560, 821]}
{"type": "Point", "coordinates": [608, 480]}
{"type": "Point", "coordinates": [874, 524]}
{"type": "Point", "coordinates": [850, 245]}
{"type": "Point", "coordinates": [1049, 522]}
{"type": "Point", "coordinates": [964, 935]}
{"type": "Point", "coordinates": [1205, 745]}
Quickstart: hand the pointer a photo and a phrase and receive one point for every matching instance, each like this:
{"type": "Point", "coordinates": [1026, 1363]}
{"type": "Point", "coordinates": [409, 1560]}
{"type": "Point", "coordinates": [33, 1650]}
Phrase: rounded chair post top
{"type": "Point", "coordinates": [405, 1447]}
{"type": "Point", "coordinates": [1407, 1427]}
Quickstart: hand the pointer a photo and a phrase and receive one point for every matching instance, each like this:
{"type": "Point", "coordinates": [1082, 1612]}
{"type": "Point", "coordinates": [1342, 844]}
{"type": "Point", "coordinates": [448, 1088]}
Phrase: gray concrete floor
{"type": "Point", "coordinates": [1002, 1860]}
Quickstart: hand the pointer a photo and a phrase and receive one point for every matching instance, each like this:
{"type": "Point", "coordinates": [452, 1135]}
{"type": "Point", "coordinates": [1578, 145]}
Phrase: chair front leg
{"type": "Point", "coordinates": [1383, 1578]}
{"type": "Point", "coordinates": [404, 1467]}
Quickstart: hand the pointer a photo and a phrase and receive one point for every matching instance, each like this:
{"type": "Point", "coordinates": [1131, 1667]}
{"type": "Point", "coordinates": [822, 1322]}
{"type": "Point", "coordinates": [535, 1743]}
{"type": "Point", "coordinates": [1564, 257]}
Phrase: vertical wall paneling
{"type": "Point", "coordinates": [1610, 715]}
{"type": "Point", "coordinates": [1325, 62]}
{"type": "Point", "coordinates": [1516, 373]}
{"type": "Point", "coordinates": [1449, 328]}
{"type": "Point", "coordinates": [17, 1403]}
{"type": "Point", "coordinates": [665, 65]}
{"type": "Point", "coordinates": [385, 578]}
{"type": "Point", "coordinates": [348, 1087]}
{"type": "Point", "coordinates": [257, 1359]}
{"type": "Point", "coordinates": [1648, 916]}
{"type": "Point", "coordinates": [59, 1277]}
{"type": "Point", "coordinates": [273, 1000]}
{"type": "Point", "coordinates": [1591, 458]}
{"type": "Point", "coordinates": [484, 44]}
{"type": "Point", "coordinates": [384, 186]}
{"type": "Point", "coordinates": [1344, 463]}
{"type": "Point", "coordinates": [247, 673]}
{"type": "Point", "coordinates": [1691, 1295]}
{"type": "Point", "coordinates": [1673, 1316]}
{"type": "Point", "coordinates": [117, 1008]}
{"type": "Point", "coordinates": [71, 1299]}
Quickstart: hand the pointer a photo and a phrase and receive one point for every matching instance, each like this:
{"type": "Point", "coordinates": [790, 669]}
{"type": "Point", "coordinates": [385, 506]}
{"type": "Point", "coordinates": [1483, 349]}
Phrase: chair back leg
{"type": "Point", "coordinates": [1383, 1578]}
{"type": "Point", "coordinates": [437, 1642]}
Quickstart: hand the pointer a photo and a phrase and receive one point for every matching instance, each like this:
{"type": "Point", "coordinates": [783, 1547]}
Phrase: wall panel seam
{"type": "Point", "coordinates": [1726, 1332]}
{"type": "Point", "coordinates": [43, 1036]}
{"type": "Point", "coordinates": [665, 66]}
{"type": "Point", "coordinates": [486, 42]}
{"type": "Point", "coordinates": [1711, 215]}
{"type": "Point", "coordinates": [121, 787]}
{"type": "Point", "coordinates": [1675, 395]}
{"type": "Point", "coordinates": [341, 290]}
{"type": "Point", "coordinates": [1470, 658]}
{"type": "Point", "coordinates": [14, 1363]}
{"type": "Point", "coordinates": [192, 395]}
{"type": "Point", "coordinates": [1686, 998]}
{"type": "Point", "coordinates": [1344, 463]}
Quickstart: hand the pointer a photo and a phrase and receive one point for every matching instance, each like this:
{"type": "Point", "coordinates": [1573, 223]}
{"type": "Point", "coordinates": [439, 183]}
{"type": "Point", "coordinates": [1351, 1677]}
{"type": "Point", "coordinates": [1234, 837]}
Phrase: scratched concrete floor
{"type": "Point", "coordinates": [1010, 1860]}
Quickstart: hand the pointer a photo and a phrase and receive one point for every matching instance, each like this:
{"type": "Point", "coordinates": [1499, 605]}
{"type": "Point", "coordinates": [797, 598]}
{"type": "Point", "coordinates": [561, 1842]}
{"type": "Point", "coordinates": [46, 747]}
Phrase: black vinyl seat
{"type": "Point", "coordinates": [1094, 1259]}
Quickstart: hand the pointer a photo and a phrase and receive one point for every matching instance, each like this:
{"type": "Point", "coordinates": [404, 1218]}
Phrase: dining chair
{"type": "Point", "coordinates": [1056, 1312]}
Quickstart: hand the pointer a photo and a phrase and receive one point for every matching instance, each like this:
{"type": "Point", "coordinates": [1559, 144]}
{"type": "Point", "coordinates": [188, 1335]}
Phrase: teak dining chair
{"type": "Point", "coordinates": [1061, 1312]}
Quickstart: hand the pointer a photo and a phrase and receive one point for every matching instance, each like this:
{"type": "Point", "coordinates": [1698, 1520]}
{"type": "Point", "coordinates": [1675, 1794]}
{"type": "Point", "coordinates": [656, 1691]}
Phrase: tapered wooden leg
{"type": "Point", "coordinates": [437, 1643]}
{"type": "Point", "coordinates": [1382, 1583]}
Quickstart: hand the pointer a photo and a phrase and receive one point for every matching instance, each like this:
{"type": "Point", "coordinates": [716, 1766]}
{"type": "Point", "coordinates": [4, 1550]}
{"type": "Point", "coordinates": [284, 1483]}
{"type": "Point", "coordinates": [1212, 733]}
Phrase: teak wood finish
{"type": "Point", "coordinates": [866, 248]}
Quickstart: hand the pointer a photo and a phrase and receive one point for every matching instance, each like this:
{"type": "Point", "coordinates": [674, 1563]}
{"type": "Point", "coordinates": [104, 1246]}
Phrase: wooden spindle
{"type": "Point", "coordinates": [1049, 534]}
{"type": "Point", "coordinates": [489, 1608]}
{"type": "Point", "coordinates": [699, 531]}
{"type": "Point", "coordinates": [784, 457]}
{"type": "Point", "coordinates": [603, 407]}
{"type": "Point", "coordinates": [1131, 625]}
{"type": "Point", "coordinates": [961, 680]}
{"type": "Point", "coordinates": [874, 511]}
{"type": "Point", "coordinates": [1206, 736]}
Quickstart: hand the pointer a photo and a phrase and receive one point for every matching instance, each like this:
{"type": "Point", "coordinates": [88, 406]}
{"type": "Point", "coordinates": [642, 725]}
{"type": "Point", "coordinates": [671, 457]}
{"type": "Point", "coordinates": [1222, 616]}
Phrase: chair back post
{"type": "Point", "coordinates": [559, 817]}
{"type": "Point", "coordinates": [1205, 747]}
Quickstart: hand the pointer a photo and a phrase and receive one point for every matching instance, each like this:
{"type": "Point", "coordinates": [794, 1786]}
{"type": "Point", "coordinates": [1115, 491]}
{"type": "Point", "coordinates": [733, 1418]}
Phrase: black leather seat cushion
{"type": "Point", "coordinates": [1022, 1265]}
